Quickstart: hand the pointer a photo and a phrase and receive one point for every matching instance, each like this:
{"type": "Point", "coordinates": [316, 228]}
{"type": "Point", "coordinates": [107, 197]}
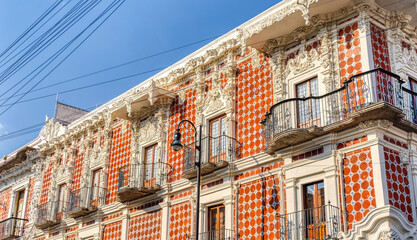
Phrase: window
{"type": "Point", "coordinates": [216, 222]}
{"type": "Point", "coordinates": [413, 87]}
{"type": "Point", "coordinates": [95, 188]}
{"type": "Point", "coordinates": [151, 158]}
{"type": "Point", "coordinates": [218, 139]}
{"type": "Point", "coordinates": [308, 110]}
{"type": "Point", "coordinates": [18, 213]}
{"type": "Point", "coordinates": [315, 218]}
{"type": "Point", "coordinates": [61, 200]}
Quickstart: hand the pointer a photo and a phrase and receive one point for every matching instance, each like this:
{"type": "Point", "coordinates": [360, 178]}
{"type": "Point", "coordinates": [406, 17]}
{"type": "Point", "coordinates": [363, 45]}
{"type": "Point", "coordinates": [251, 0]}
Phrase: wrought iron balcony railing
{"type": "Point", "coordinates": [318, 223]}
{"type": "Point", "coordinates": [85, 200]}
{"type": "Point", "coordinates": [12, 228]}
{"type": "Point", "coordinates": [217, 152]}
{"type": "Point", "coordinates": [139, 180]}
{"type": "Point", "coordinates": [50, 213]}
{"type": "Point", "coordinates": [377, 92]}
{"type": "Point", "coordinates": [218, 234]}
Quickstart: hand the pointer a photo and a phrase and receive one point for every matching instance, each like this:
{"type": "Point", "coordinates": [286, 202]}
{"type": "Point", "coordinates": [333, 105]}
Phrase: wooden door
{"type": "Point", "coordinates": [413, 87]}
{"type": "Point", "coordinates": [216, 223]}
{"type": "Point", "coordinates": [308, 111]}
{"type": "Point", "coordinates": [95, 188]}
{"type": "Point", "coordinates": [151, 158]}
{"type": "Point", "coordinates": [217, 147]}
{"type": "Point", "coordinates": [315, 216]}
{"type": "Point", "coordinates": [61, 201]}
{"type": "Point", "coordinates": [17, 226]}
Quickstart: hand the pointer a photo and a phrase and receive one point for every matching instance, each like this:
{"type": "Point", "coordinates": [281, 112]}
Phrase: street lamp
{"type": "Point", "coordinates": [176, 146]}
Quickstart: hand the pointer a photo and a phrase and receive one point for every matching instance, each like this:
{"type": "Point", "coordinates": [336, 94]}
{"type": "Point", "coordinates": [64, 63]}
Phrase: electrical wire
{"type": "Point", "coordinates": [117, 66]}
{"type": "Point", "coordinates": [37, 21]}
{"type": "Point", "coordinates": [43, 42]}
{"type": "Point", "coordinates": [112, 8]}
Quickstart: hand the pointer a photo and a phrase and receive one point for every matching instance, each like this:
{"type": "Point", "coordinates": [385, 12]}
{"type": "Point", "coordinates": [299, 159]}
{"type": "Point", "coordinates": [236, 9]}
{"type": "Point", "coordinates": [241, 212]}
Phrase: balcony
{"type": "Point", "coordinates": [376, 94]}
{"type": "Point", "coordinates": [140, 180]}
{"type": "Point", "coordinates": [318, 223]}
{"type": "Point", "coordinates": [218, 234]}
{"type": "Point", "coordinates": [12, 228]}
{"type": "Point", "coordinates": [222, 150]}
{"type": "Point", "coordinates": [49, 214]}
{"type": "Point", "coordinates": [85, 200]}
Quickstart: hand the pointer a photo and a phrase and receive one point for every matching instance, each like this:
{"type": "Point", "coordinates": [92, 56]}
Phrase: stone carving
{"type": "Point", "coordinates": [375, 123]}
{"type": "Point", "coordinates": [390, 234]}
{"type": "Point", "coordinates": [148, 130]}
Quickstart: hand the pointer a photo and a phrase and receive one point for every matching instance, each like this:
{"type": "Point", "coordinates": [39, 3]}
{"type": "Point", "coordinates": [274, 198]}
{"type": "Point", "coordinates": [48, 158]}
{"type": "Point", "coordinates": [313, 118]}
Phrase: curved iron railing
{"type": "Point", "coordinates": [51, 211]}
{"type": "Point", "coordinates": [361, 90]}
{"type": "Point", "coordinates": [146, 175]}
{"type": "Point", "coordinates": [319, 223]}
{"type": "Point", "coordinates": [213, 149]}
{"type": "Point", "coordinates": [217, 234]}
{"type": "Point", "coordinates": [86, 197]}
{"type": "Point", "coordinates": [12, 228]}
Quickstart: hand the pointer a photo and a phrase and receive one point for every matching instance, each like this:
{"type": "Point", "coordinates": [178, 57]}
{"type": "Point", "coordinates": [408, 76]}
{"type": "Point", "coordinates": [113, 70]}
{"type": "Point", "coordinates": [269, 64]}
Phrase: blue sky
{"type": "Point", "coordinates": [138, 29]}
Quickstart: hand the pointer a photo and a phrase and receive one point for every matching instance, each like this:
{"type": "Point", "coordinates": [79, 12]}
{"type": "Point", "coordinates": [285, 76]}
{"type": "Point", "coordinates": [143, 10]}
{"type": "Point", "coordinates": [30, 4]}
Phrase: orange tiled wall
{"type": "Point", "coordinates": [181, 110]}
{"type": "Point", "coordinates": [398, 183]}
{"type": "Point", "coordinates": [380, 56]}
{"type": "Point", "coordinates": [78, 166]}
{"type": "Point", "coordinates": [254, 98]}
{"type": "Point", "coordinates": [119, 157]}
{"type": "Point", "coordinates": [259, 204]}
{"type": "Point", "coordinates": [5, 203]}
{"type": "Point", "coordinates": [359, 185]}
{"type": "Point", "coordinates": [46, 183]}
{"type": "Point", "coordinates": [146, 226]}
{"type": "Point", "coordinates": [30, 196]}
{"type": "Point", "coordinates": [180, 221]}
{"type": "Point", "coordinates": [113, 231]}
{"type": "Point", "coordinates": [349, 51]}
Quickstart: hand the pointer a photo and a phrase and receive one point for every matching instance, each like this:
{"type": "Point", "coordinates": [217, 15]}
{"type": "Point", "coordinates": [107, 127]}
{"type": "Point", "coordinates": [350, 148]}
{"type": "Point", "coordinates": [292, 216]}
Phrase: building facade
{"type": "Point", "coordinates": [308, 114]}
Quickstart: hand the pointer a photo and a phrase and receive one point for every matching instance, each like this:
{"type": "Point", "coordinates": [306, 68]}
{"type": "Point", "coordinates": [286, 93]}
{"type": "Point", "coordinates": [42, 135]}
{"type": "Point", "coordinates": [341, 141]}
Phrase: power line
{"type": "Point", "coordinates": [44, 41]}
{"type": "Point", "coordinates": [88, 86]}
{"type": "Point", "coordinates": [37, 21]}
{"type": "Point", "coordinates": [112, 8]}
{"type": "Point", "coordinates": [119, 65]}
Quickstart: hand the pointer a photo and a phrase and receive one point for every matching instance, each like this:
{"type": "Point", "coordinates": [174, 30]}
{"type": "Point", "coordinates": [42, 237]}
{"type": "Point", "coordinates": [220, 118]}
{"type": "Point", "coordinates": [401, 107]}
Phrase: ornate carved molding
{"type": "Point", "coordinates": [375, 123]}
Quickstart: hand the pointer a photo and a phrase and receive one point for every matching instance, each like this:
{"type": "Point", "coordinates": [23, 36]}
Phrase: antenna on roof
{"type": "Point", "coordinates": [56, 104]}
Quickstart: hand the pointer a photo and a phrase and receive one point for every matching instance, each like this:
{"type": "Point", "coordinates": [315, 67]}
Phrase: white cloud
{"type": "Point", "coordinates": [3, 130]}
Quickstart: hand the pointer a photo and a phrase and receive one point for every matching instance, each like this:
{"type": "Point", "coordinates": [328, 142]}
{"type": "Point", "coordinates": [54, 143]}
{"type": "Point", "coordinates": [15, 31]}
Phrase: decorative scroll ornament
{"type": "Point", "coordinates": [390, 234]}
{"type": "Point", "coordinates": [375, 123]}
{"type": "Point", "coordinates": [148, 130]}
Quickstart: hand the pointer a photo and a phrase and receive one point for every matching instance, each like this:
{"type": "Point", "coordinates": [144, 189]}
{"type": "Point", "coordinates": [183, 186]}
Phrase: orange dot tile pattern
{"type": "Point", "coordinates": [254, 98]}
{"type": "Point", "coordinates": [119, 157]}
{"type": "Point", "coordinates": [146, 205]}
{"type": "Point", "coordinates": [259, 205]}
{"type": "Point", "coordinates": [182, 194]}
{"type": "Point", "coordinates": [78, 166]}
{"type": "Point", "coordinates": [359, 185]}
{"type": "Point", "coordinates": [181, 109]}
{"type": "Point", "coordinates": [349, 51]}
{"type": "Point", "coordinates": [146, 226]}
{"type": "Point", "coordinates": [30, 196]}
{"type": "Point", "coordinates": [259, 171]}
{"type": "Point", "coordinates": [398, 184]}
{"type": "Point", "coordinates": [180, 221]}
{"type": "Point", "coordinates": [72, 237]}
{"type": "Point", "coordinates": [46, 183]}
{"type": "Point", "coordinates": [113, 231]}
{"type": "Point", "coordinates": [380, 56]}
{"type": "Point", "coordinates": [352, 142]}
{"type": "Point", "coordinates": [5, 198]}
